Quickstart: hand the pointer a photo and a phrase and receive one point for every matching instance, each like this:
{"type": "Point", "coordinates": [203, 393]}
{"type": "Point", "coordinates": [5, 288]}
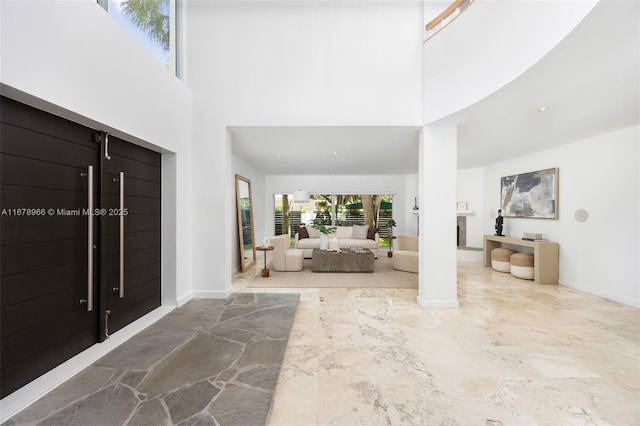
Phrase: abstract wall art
{"type": "Point", "coordinates": [532, 194]}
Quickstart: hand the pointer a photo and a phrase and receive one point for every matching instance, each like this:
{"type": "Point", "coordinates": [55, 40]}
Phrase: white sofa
{"type": "Point", "coordinates": [345, 236]}
{"type": "Point", "coordinates": [405, 257]}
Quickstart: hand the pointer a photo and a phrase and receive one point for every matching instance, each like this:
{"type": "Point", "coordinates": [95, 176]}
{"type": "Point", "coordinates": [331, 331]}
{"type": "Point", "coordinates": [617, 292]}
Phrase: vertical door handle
{"type": "Point", "coordinates": [121, 212]}
{"type": "Point", "coordinates": [89, 300]}
{"type": "Point", "coordinates": [106, 147]}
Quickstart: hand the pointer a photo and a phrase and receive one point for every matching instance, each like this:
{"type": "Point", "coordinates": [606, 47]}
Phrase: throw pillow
{"type": "Point", "coordinates": [371, 233]}
{"type": "Point", "coordinates": [313, 232]}
{"type": "Point", "coordinates": [302, 232]}
{"type": "Point", "coordinates": [360, 232]}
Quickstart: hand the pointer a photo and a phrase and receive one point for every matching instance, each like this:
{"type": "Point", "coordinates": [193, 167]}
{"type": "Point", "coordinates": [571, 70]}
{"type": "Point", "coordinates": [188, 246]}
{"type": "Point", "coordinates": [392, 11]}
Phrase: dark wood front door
{"type": "Point", "coordinates": [44, 255]}
{"type": "Point", "coordinates": [61, 283]}
{"type": "Point", "coordinates": [131, 229]}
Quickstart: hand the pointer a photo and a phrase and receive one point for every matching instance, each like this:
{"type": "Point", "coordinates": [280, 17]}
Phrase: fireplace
{"type": "Point", "coordinates": [461, 236]}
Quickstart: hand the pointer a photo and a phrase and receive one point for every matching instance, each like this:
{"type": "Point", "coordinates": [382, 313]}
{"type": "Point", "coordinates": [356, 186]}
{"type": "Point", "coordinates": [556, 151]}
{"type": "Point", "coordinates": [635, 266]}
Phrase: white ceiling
{"type": "Point", "coordinates": [590, 83]}
{"type": "Point", "coordinates": [339, 150]}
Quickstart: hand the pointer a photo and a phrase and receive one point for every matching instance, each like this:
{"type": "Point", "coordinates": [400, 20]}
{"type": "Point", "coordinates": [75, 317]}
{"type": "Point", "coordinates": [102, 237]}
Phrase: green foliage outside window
{"type": "Point", "coordinates": [151, 16]}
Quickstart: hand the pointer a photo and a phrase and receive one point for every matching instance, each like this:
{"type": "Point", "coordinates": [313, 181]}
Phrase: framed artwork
{"type": "Point", "coordinates": [533, 194]}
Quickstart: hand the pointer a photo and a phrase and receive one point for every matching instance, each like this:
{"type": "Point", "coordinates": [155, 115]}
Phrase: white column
{"type": "Point", "coordinates": [438, 252]}
{"type": "Point", "coordinates": [212, 209]}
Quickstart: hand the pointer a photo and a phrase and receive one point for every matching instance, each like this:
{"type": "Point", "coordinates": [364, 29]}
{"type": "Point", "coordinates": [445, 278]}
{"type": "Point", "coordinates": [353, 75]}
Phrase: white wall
{"type": "Point", "coordinates": [470, 189]}
{"type": "Point", "coordinates": [74, 60]}
{"type": "Point", "coordinates": [411, 198]}
{"type": "Point", "coordinates": [305, 63]}
{"type": "Point", "coordinates": [600, 175]}
{"type": "Point", "coordinates": [286, 63]}
{"type": "Point", "coordinates": [458, 68]}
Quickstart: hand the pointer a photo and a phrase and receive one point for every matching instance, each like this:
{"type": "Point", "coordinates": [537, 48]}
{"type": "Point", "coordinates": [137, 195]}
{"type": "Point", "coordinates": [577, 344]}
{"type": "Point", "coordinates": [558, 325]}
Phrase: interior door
{"type": "Point", "coordinates": [48, 240]}
{"type": "Point", "coordinates": [130, 249]}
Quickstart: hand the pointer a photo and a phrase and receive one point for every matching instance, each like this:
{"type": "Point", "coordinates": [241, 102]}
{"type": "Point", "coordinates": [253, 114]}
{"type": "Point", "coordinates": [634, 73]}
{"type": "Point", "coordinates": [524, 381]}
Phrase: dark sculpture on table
{"type": "Point", "coordinates": [499, 222]}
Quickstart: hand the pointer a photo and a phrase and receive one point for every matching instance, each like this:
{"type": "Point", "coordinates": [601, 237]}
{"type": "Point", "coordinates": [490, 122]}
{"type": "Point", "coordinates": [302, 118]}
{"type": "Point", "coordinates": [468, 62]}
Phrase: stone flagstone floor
{"type": "Point", "coordinates": [209, 362]}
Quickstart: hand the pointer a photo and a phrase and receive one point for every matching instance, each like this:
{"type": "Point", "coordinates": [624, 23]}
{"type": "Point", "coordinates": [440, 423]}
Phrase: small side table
{"type": "Point", "coordinates": [390, 239]}
{"type": "Point", "coordinates": [265, 249]}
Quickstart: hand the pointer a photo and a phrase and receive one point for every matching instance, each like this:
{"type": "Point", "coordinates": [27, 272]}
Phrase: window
{"type": "Point", "coordinates": [151, 22]}
{"type": "Point", "coordinates": [331, 209]}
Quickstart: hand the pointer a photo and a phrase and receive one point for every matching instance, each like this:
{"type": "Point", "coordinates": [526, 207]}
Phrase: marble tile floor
{"type": "Point", "coordinates": [209, 362]}
{"type": "Point", "coordinates": [514, 353]}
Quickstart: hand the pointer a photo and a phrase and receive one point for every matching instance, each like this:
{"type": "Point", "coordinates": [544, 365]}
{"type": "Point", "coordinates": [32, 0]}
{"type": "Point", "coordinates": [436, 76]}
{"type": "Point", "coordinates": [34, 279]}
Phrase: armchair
{"type": "Point", "coordinates": [405, 257]}
{"type": "Point", "coordinates": [286, 259]}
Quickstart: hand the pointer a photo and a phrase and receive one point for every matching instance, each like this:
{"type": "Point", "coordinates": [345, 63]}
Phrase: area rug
{"type": "Point", "coordinates": [209, 362]}
{"type": "Point", "coordinates": [383, 276]}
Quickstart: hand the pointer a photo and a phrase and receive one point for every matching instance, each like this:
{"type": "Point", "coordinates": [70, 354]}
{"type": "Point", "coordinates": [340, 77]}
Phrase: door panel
{"type": "Point", "coordinates": [134, 223]}
{"type": "Point", "coordinates": [44, 258]}
{"type": "Point", "coordinates": [126, 314]}
{"type": "Point", "coordinates": [134, 260]}
{"type": "Point", "coordinates": [27, 143]}
{"type": "Point", "coordinates": [19, 287]}
{"type": "Point", "coordinates": [32, 229]}
{"type": "Point", "coordinates": [35, 357]}
{"type": "Point", "coordinates": [29, 172]}
{"type": "Point", "coordinates": [141, 233]}
{"type": "Point", "coordinates": [24, 258]}
{"type": "Point", "coordinates": [142, 240]}
{"type": "Point", "coordinates": [136, 188]}
{"type": "Point", "coordinates": [64, 300]}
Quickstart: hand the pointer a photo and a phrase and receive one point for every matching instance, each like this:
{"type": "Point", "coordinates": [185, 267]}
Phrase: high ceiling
{"type": "Point", "coordinates": [328, 150]}
{"type": "Point", "coordinates": [589, 83]}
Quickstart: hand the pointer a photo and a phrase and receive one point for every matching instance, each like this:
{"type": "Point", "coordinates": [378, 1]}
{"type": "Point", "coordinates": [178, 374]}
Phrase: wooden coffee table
{"type": "Point", "coordinates": [345, 261]}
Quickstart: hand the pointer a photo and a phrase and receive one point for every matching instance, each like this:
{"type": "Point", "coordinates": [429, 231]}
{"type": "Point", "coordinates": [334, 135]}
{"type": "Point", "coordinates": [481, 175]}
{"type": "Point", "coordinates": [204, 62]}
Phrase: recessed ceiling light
{"type": "Point", "coordinates": [543, 108]}
{"type": "Point", "coordinates": [278, 157]}
{"type": "Point", "coordinates": [335, 152]}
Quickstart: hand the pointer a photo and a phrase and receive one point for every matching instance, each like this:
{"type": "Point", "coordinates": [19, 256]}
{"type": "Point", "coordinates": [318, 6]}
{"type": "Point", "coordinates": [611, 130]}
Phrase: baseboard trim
{"type": "Point", "coordinates": [212, 294]}
{"type": "Point", "coordinates": [469, 255]}
{"type": "Point", "coordinates": [604, 294]}
{"type": "Point", "coordinates": [19, 400]}
{"type": "Point", "coordinates": [438, 304]}
{"type": "Point", "coordinates": [184, 299]}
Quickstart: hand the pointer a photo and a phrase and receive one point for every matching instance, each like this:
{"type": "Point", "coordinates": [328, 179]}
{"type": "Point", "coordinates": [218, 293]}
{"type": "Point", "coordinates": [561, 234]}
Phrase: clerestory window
{"type": "Point", "coordinates": [151, 22]}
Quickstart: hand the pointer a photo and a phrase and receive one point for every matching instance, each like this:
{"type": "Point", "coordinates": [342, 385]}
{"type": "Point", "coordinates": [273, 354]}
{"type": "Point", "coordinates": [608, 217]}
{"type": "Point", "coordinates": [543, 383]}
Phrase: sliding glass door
{"type": "Point", "coordinates": [332, 209]}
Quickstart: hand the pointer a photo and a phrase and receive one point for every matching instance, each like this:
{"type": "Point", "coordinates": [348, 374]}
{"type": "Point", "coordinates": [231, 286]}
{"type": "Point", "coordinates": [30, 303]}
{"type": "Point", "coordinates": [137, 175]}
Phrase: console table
{"type": "Point", "coordinates": [545, 256]}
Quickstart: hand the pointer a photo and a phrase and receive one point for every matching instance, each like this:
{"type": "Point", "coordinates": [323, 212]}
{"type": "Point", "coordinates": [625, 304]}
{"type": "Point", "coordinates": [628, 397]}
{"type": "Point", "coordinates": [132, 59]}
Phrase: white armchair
{"type": "Point", "coordinates": [405, 257]}
{"type": "Point", "coordinates": [286, 259]}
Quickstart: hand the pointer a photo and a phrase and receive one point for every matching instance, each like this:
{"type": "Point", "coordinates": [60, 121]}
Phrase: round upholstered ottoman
{"type": "Point", "coordinates": [500, 259]}
{"type": "Point", "coordinates": [522, 265]}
